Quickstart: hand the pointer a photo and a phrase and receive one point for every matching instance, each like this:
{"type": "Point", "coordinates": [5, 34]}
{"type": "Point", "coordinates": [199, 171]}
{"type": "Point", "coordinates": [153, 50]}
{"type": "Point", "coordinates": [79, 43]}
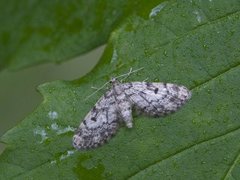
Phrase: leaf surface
{"type": "Point", "coordinates": [196, 44]}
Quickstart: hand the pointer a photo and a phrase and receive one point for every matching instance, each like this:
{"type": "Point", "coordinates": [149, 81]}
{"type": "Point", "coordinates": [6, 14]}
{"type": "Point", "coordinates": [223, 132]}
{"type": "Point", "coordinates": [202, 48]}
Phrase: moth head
{"type": "Point", "coordinates": [113, 80]}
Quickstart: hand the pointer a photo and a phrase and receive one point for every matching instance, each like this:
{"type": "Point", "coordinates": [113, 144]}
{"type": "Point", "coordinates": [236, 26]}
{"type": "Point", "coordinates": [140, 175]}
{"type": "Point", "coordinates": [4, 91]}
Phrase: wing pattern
{"type": "Point", "coordinates": [115, 106]}
{"type": "Point", "coordinates": [156, 99]}
{"type": "Point", "coordinates": [99, 125]}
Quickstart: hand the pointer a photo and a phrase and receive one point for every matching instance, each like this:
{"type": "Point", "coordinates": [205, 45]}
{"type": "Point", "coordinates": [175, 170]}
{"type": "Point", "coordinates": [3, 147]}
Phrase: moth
{"type": "Point", "coordinates": [117, 104]}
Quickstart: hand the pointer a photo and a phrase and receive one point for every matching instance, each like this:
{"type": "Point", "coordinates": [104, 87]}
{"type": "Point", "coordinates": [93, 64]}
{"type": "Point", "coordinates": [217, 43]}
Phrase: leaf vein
{"type": "Point", "coordinates": [227, 175]}
{"type": "Point", "coordinates": [184, 149]}
{"type": "Point", "coordinates": [216, 76]}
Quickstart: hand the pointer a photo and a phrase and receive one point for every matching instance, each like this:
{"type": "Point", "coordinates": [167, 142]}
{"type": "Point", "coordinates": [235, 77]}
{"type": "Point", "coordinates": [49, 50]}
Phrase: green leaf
{"type": "Point", "coordinates": [195, 43]}
{"type": "Point", "coordinates": [34, 32]}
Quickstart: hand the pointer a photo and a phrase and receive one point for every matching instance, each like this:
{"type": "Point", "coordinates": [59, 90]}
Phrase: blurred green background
{"type": "Point", "coordinates": [18, 95]}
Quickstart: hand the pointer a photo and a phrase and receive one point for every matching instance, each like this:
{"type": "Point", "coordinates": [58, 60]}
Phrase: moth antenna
{"type": "Point", "coordinates": [145, 79]}
{"type": "Point", "coordinates": [93, 87]}
{"type": "Point", "coordinates": [131, 71]}
{"type": "Point", "coordinates": [98, 89]}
